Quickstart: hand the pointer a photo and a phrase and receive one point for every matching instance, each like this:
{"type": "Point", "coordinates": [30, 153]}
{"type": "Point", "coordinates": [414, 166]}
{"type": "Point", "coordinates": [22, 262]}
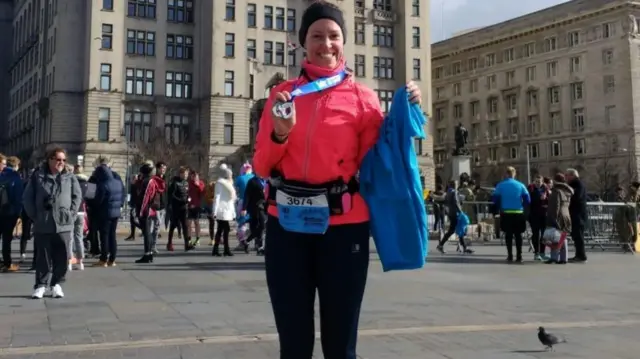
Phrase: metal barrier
{"type": "Point", "coordinates": [609, 224]}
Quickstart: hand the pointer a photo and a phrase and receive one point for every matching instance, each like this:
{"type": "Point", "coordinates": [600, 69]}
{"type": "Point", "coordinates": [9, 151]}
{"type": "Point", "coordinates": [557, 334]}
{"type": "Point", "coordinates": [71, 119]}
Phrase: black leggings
{"type": "Point", "coordinates": [223, 231]}
{"type": "Point", "coordinates": [453, 222]}
{"type": "Point", "coordinates": [179, 221]}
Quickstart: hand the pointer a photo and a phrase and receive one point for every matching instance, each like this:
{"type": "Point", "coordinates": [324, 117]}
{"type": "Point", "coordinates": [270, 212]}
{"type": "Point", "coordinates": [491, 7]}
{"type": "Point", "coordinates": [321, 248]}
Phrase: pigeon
{"type": "Point", "coordinates": [548, 339]}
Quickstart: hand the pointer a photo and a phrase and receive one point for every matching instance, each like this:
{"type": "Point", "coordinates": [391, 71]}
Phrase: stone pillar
{"type": "Point", "coordinates": [460, 165]}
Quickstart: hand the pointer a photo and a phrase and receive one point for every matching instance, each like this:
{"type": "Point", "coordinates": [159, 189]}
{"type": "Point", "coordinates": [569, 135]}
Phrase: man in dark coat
{"type": "Point", "coordinates": [254, 204]}
{"type": "Point", "coordinates": [578, 212]}
{"type": "Point", "coordinates": [109, 200]}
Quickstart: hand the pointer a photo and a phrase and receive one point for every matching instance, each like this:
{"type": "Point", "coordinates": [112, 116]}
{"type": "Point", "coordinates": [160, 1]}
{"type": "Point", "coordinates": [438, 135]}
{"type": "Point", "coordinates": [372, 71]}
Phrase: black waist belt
{"type": "Point", "coordinates": [334, 190]}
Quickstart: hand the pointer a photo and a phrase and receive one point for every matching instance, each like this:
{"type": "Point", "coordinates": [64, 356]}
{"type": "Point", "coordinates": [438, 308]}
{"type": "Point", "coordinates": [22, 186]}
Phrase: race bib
{"type": "Point", "coordinates": [309, 215]}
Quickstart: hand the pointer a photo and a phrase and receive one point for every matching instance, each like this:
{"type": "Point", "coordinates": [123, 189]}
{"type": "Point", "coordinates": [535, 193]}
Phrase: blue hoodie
{"type": "Point", "coordinates": [14, 190]}
{"type": "Point", "coordinates": [390, 184]}
{"type": "Point", "coordinates": [511, 196]}
{"type": "Point", "coordinates": [109, 197]}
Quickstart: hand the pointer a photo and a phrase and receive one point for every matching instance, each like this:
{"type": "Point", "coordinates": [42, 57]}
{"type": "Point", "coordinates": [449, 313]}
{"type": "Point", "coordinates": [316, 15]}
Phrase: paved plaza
{"type": "Point", "coordinates": [194, 306]}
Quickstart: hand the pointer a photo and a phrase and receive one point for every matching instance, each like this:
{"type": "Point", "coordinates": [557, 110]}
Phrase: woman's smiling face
{"type": "Point", "coordinates": [324, 43]}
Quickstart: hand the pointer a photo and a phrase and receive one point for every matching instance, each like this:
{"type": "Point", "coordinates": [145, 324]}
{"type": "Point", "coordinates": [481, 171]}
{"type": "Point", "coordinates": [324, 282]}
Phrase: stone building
{"type": "Point", "coordinates": [556, 88]}
{"type": "Point", "coordinates": [106, 77]}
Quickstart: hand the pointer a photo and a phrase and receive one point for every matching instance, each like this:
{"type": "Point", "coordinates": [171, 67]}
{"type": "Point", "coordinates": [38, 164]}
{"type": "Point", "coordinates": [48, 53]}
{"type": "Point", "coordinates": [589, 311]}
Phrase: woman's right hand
{"type": "Point", "coordinates": [283, 126]}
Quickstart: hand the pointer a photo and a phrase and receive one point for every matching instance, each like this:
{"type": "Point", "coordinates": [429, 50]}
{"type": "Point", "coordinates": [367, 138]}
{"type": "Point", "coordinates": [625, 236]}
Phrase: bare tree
{"type": "Point", "coordinates": [189, 152]}
{"type": "Point", "coordinates": [607, 176]}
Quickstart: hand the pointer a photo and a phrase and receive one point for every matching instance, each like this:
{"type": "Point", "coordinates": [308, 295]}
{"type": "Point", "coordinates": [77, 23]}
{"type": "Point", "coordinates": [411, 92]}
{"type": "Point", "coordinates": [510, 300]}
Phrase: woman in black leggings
{"type": "Point", "coordinates": [224, 210]}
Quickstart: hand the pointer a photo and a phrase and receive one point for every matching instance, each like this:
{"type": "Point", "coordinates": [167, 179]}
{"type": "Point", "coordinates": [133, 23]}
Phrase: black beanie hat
{"type": "Point", "coordinates": [320, 10]}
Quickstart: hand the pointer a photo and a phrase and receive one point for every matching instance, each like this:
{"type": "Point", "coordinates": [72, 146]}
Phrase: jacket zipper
{"type": "Point", "coordinates": [307, 146]}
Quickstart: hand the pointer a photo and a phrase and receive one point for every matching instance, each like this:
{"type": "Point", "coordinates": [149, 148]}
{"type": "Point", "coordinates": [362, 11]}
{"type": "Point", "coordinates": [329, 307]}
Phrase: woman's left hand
{"type": "Point", "coordinates": [415, 95]}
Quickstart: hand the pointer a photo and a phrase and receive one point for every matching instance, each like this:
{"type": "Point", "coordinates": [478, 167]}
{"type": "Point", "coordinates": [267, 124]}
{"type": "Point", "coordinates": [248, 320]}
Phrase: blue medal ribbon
{"type": "Point", "coordinates": [285, 109]}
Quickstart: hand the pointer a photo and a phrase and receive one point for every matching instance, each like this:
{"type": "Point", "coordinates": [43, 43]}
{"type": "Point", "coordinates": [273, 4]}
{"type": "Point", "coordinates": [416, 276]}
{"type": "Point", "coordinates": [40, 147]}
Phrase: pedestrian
{"type": "Point", "coordinates": [178, 199]}
{"type": "Point", "coordinates": [208, 206]}
{"type": "Point", "coordinates": [76, 245]}
{"type": "Point", "coordinates": [161, 172]}
{"type": "Point", "coordinates": [133, 218]}
{"type": "Point", "coordinates": [539, 194]}
{"type": "Point", "coordinates": [149, 191]}
{"type": "Point", "coordinates": [254, 204]}
{"type": "Point", "coordinates": [11, 190]}
{"type": "Point", "coordinates": [511, 196]}
{"type": "Point", "coordinates": [312, 161]}
{"type": "Point", "coordinates": [578, 211]}
{"type": "Point", "coordinates": [437, 199]}
{"type": "Point", "coordinates": [224, 210]}
{"type": "Point", "coordinates": [108, 202]}
{"type": "Point", "coordinates": [454, 211]}
{"type": "Point", "coordinates": [52, 200]}
{"type": "Point", "coordinates": [558, 218]}
{"type": "Point", "coordinates": [196, 195]}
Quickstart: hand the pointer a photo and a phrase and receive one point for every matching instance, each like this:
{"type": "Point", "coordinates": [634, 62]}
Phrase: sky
{"type": "Point", "coordinates": [450, 16]}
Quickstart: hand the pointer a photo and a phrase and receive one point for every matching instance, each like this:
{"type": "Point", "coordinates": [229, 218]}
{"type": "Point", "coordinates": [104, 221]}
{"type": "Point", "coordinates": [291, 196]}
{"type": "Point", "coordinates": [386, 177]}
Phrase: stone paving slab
{"type": "Point", "coordinates": [193, 295]}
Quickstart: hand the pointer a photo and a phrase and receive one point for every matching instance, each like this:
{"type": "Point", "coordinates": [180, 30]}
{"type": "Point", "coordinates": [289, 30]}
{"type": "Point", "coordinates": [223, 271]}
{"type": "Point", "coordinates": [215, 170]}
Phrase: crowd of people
{"type": "Point", "coordinates": [68, 213]}
{"type": "Point", "coordinates": [558, 203]}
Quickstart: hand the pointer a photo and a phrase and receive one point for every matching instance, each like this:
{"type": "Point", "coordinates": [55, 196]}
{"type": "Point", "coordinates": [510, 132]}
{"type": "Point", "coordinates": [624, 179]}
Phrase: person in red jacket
{"type": "Point", "coordinates": [318, 227]}
{"type": "Point", "coordinates": [196, 196]}
{"type": "Point", "coordinates": [149, 192]}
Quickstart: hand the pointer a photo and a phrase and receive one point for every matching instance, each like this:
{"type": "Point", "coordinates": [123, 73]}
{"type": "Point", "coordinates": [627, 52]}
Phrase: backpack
{"type": "Point", "coordinates": [5, 202]}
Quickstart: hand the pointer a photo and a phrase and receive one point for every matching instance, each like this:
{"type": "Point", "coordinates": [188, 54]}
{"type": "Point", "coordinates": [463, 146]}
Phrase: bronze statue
{"type": "Point", "coordinates": [461, 138]}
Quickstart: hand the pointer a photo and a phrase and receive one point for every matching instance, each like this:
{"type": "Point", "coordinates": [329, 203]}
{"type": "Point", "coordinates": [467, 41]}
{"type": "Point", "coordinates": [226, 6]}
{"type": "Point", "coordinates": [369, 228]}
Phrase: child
{"type": "Point", "coordinates": [557, 242]}
{"type": "Point", "coordinates": [243, 233]}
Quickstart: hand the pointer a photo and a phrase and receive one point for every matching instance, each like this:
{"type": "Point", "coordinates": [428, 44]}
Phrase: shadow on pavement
{"type": "Point", "coordinates": [469, 258]}
{"type": "Point", "coordinates": [213, 266]}
{"type": "Point", "coordinates": [529, 351]}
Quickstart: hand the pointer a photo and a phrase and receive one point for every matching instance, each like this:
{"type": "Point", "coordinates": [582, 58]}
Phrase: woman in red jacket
{"type": "Point", "coordinates": [318, 229]}
{"type": "Point", "coordinates": [196, 195]}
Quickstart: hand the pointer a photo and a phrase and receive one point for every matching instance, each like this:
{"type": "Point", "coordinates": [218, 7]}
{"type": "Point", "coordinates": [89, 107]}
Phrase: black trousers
{"type": "Point", "coordinates": [146, 225]}
{"type": "Point", "coordinates": [577, 235]}
{"type": "Point", "coordinates": [51, 261]}
{"type": "Point", "coordinates": [513, 225]}
{"type": "Point", "coordinates": [336, 265]}
{"type": "Point", "coordinates": [108, 243]}
{"type": "Point", "coordinates": [26, 234]}
{"type": "Point", "coordinates": [453, 223]}
{"type": "Point", "coordinates": [224, 228]}
{"type": "Point", "coordinates": [179, 221]}
{"type": "Point", "coordinates": [94, 241]}
{"type": "Point", "coordinates": [537, 223]}
{"type": "Point", "coordinates": [7, 225]}
{"type": "Point", "coordinates": [257, 221]}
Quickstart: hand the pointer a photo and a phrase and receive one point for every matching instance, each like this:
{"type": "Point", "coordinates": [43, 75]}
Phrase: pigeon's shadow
{"type": "Point", "coordinates": [530, 351]}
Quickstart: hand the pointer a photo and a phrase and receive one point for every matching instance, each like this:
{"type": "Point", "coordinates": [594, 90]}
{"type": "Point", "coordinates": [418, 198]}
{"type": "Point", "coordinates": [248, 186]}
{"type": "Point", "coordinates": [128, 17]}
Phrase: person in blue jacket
{"type": "Point", "coordinates": [108, 203]}
{"type": "Point", "coordinates": [510, 197]}
{"type": "Point", "coordinates": [11, 190]}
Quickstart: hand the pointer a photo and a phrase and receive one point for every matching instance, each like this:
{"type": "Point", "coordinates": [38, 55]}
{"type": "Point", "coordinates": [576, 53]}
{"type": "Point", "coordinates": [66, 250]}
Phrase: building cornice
{"type": "Point", "coordinates": [482, 38]}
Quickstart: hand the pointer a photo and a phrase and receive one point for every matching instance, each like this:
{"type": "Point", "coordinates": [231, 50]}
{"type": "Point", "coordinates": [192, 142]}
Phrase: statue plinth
{"type": "Point", "coordinates": [460, 164]}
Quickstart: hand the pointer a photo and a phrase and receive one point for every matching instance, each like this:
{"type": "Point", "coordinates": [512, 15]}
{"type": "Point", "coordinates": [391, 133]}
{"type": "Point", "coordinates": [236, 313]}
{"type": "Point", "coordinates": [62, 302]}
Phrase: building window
{"type": "Point", "coordinates": [532, 98]}
{"type": "Point", "coordinates": [107, 5]}
{"type": "Point", "coordinates": [607, 57]}
{"type": "Point", "coordinates": [417, 145]}
{"type": "Point", "coordinates": [137, 126]}
{"type": "Point", "coordinates": [550, 44]}
{"type": "Point", "coordinates": [279, 53]}
{"type": "Point", "coordinates": [291, 20]}
{"type": "Point", "coordinates": [293, 56]}
{"type": "Point", "coordinates": [359, 65]}
{"type": "Point", "coordinates": [473, 64]}
{"type": "Point", "coordinates": [229, 45]}
{"type": "Point", "coordinates": [178, 84]}
{"type": "Point", "coordinates": [531, 73]}
{"type": "Point", "coordinates": [489, 60]}
{"type": "Point", "coordinates": [577, 120]}
{"type": "Point", "coordinates": [512, 102]}
{"type": "Point", "coordinates": [552, 69]}
{"type": "Point", "coordinates": [609, 84]}
{"type": "Point", "coordinates": [382, 67]}
{"type": "Point", "coordinates": [457, 111]}
{"type": "Point", "coordinates": [510, 78]}
{"type": "Point", "coordinates": [574, 65]}
{"type": "Point", "coordinates": [473, 85]}
{"type": "Point", "coordinates": [142, 8]}
{"type": "Point", "coordinates": [360, 38]}
{"type": "Point", "coordinates": [280, 18]}
{"type": "Point", "coordinates": [176, 128]}
{"type": "Point", "coordinates": [573, 38]}
{"type": "Point", "coordinates": [457, 89]}
{"type": "Point", "coordinates": [529, 50]}
{"type": "Point", "coordinates": [229, 78]}
{"type": "Point", "coordinates": [609, 114]}
{"type": "Point", "coordinates": [556, 122]}
{"type": "Point", "coordinates": [139, 82]}
{"type": "Point", "coordinates": [456, 68]}
{"type": "Point", "coordinates": [385, 97]}
{"type": "Point", "coordinates": [382, 36]}
{"type": "Point", "coordinates": [251, 15]}
{"type": "Point", "coordinates": [534, 150]}
{"type": "Point", "coordinates": [384, 5]}
{"type": "Point", "coordinates": [268, 17]}
{"type": "Point", "coordinates": [608, 30]}
{"type": "Point", "coordinates": [509, 55]}
{"type": "Point", "coordinates": [577, 91]}
{"type": "Point", "coordinates": [417, 69]}
{"type": "Point", "coordinates": [228, 128]}
{"type": "Point", "coordinates": [513, 153]}
{"type": "Point", "coordinates": [415, 37]}
{"type": "Point", "coordinates": [105, 77]}
{"type": "Point", "coordinates": [493, 154]}
{"type": "Point", "coordinates": [103, 124]}
{"type": "Point", "coordinates": [491, 82]}
{"type": "Point", "coordinates": [107, 36]}
{"type": "Point", "coordinates": [579, 147]}
{"type": "Point", "coordinates": [533, 125]}
{"type": "Point", "coordinates": [556, 149]}
{"type": "Point", "coordinates": [141, 43]}
{"type": "Point", "coordinates": [492, 105]}
{"type": "Point", "coordinates": [181, 11]}
{"type": "Point", "coordinates": [268, 52]}
{"type": "Point", "coordinates": [415, 8]}
{"type": "Point", "coordinates": [179, 47]}
{"type": "Point", "coordinates": [251, 48]}
{"type": "Point", "coordinates": [474, 109]}
{"type": "Point", "coordinates": [230, 10]}
{"type": "Point", "coordinates": [553, 94]}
